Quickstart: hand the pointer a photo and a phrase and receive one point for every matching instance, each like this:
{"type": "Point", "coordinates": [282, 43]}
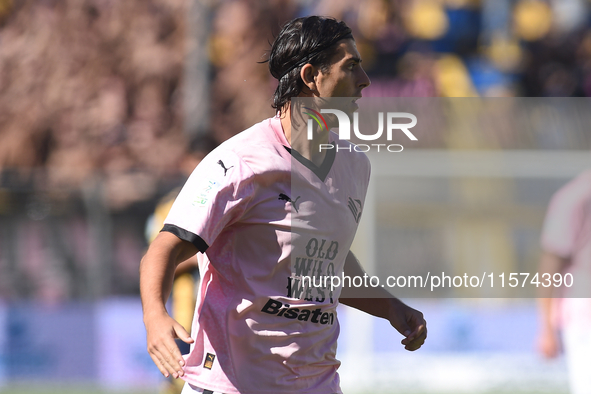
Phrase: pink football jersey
{"type": "Point", "coordinates": [265, 218]}
{"type": "Point", "coordinates": [567, 234]}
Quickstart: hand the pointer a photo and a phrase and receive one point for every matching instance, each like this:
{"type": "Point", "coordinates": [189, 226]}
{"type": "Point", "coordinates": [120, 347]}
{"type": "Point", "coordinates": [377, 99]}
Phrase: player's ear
{"type": "Point", "coordinates": [308, 74]}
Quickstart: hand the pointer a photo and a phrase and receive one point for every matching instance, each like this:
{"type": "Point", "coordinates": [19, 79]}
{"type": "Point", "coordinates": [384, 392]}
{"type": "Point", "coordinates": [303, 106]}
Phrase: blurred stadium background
{"type": "Point", "coordinates": [105, 105]}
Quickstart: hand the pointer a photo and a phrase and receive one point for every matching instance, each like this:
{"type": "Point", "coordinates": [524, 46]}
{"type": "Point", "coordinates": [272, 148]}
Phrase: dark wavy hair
{"type": "Point", "coordinates": [301, 41]}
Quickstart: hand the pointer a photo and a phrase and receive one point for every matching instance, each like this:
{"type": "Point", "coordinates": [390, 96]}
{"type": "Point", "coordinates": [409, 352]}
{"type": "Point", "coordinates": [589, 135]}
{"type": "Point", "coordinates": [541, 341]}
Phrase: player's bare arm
{"type": "Point", "coordinates": [156, 277]}
{"type": "Point", "coordinates": [408, 321]}
{"type": "Point", "coordinates": [548, 339]}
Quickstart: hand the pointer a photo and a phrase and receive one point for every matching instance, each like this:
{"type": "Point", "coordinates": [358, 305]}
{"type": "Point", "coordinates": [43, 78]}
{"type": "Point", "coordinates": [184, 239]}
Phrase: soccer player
{"type": "Point", "coordinates": [183, 288]}
{"type": "Point", "coordinates": [264, 209]}
{"type": "Point", "coordinates": [566, 244]}
{"type": "Point", "coordinates": [186, 275]}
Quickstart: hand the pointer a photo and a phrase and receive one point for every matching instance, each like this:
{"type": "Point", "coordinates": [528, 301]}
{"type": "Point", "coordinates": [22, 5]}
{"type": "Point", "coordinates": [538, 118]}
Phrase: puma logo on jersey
{"type": "Point", "coordinates": [285, 197]}
{"type": "Point", "coordinates": [209, 359]}
{"type": "Point", "coordinates": [355, 207]}
{"type": "Point", "coordinates": [221, 163]}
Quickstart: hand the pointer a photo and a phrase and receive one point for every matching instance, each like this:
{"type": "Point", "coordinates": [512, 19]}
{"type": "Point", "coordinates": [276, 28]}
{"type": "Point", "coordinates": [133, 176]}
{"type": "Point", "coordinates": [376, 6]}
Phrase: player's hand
{"type": "Point", "coordinates": [161, 332]}
{"type": "Point", "coordinates": [410, 323]}
{"type": "Point", "coordinates": [549, 343]}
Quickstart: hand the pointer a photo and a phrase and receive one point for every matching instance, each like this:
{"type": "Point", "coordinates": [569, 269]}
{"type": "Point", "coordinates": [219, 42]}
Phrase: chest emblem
{"type": "Point", "coordinates": [285, 197]}
{"type": "Point", "coordinates": [355, 207]}
{"type": "Point", "coordinates": [221, 163]}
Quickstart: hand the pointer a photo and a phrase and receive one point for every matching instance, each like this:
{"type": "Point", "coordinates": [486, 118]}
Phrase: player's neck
{"type": "Point", "coordinates": [307, 148]}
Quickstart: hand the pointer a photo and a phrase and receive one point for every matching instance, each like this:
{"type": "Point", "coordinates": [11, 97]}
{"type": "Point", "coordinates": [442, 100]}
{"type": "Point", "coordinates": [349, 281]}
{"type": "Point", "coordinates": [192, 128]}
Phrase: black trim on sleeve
{"type": "Point", "coordinates": [322, 171]}
{"type": "Point", "coordinates": [186, 236]}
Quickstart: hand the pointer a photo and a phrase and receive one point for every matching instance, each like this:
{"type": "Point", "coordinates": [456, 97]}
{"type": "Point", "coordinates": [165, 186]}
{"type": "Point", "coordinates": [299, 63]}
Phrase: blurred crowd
{"type": "Point", "coordinates": [91, 91]}
{"type": "Point", "coordinates": [94, 88]}
{"type": "Point", "coordinates": [90, 88]}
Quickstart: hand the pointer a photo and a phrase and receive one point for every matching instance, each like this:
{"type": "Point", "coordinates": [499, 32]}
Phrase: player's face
{"type": "Point", "coordinates": [346, 77]}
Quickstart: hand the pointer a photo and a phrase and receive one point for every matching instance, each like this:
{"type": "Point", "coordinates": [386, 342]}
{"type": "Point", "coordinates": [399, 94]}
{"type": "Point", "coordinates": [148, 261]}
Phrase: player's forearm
{"type": "Point", "coordinates": [157, 271]}
{"type": "Point", "coordinates": [156, 276]}
{"type": "Point", "coordinates": [378, 307]}
{"type": "Point", "coordinates": [376, 301]}
{"type": "Point", "coordinates": [545, 306]}
{"type": "Point", "coordinates": [549, 263]}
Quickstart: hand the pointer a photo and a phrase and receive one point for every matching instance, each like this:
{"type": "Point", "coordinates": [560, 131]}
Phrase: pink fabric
{"type": "Point", "coordinates": [567, 233]}
{"type": "Point", "coordinates": [268, 220]}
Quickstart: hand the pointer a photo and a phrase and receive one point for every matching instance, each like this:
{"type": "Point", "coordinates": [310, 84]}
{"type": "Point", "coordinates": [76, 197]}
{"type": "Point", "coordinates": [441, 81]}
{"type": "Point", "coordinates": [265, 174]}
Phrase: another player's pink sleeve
{"type": "Point", "coordinates": [216, 195]}
{"type": "Point", "coordinates": [563, 221]}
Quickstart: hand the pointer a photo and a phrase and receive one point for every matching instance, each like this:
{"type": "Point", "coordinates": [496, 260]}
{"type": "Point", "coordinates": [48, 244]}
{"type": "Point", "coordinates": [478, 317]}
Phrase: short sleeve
{"type": "Point", "coordinates": [563, 221]}
{"type": "Point", "coordinates": [216, 195]}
